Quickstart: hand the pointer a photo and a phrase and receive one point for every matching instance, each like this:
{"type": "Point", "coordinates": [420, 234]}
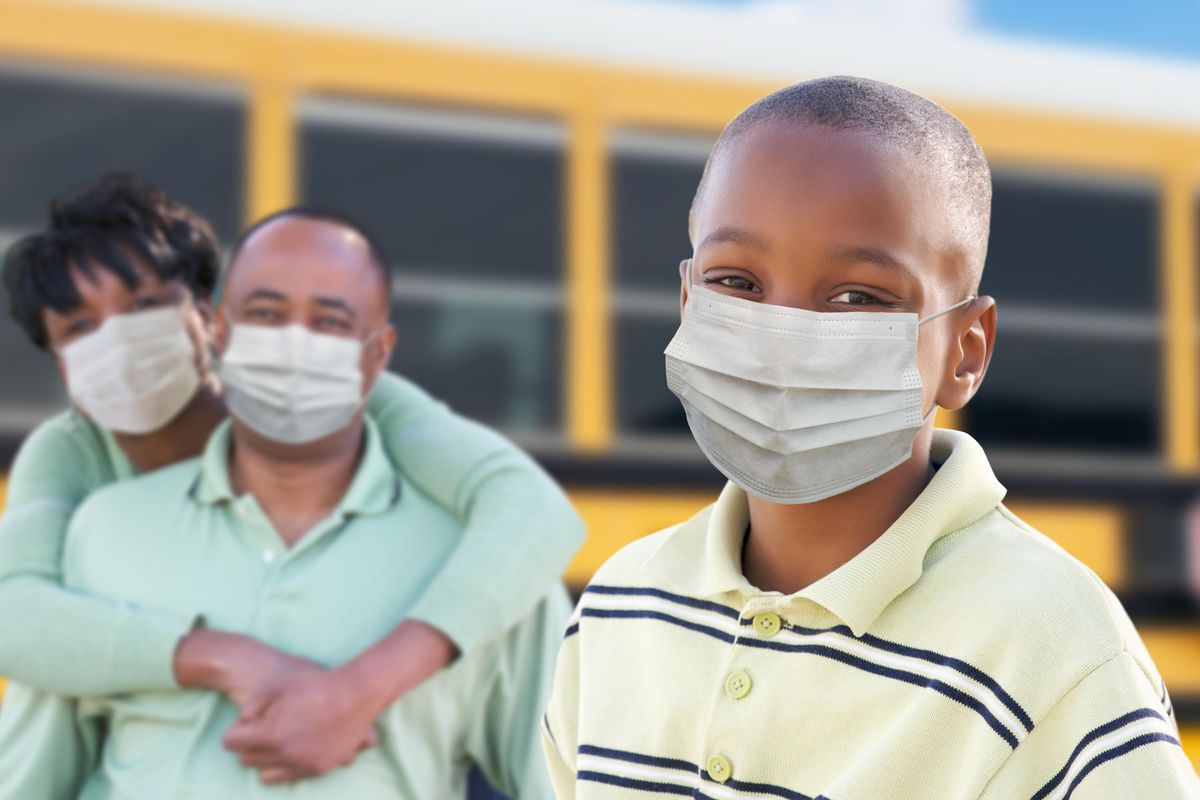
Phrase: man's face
{"type": "Point", "coordinates": [314, 273]}
{"type": "Point", "coordinates": [104, 295]}
{"type": "Point", "coordinates": [829, 220]}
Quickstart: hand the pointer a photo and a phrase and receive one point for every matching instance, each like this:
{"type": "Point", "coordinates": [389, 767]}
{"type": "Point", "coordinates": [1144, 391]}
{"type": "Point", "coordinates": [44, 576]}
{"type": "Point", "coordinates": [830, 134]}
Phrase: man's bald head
{"type": "Point", "coordinates": [351, 231]}
{"type": "Point", "coordinates": [940, 144]}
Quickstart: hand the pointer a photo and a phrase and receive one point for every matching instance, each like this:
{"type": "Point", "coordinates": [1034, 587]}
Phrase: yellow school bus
{"type": "Point", "coordinates": [533, 198]}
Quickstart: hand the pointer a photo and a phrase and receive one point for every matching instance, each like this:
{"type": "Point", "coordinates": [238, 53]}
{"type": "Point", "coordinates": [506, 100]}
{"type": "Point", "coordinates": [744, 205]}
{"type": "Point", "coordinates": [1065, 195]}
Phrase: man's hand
{"type": "Point", "coordinates": [311, 722]}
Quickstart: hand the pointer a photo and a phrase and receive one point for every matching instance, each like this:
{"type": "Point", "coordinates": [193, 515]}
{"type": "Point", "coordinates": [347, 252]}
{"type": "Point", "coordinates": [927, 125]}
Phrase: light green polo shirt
{"type": "Point", "coordinates": [179, 540]}
{"type": "Point", "coordinates": [961, 655]}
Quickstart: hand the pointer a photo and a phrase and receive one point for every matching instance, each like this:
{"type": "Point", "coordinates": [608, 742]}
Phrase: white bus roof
{"type": "Point", "coordinates": [927, 47]}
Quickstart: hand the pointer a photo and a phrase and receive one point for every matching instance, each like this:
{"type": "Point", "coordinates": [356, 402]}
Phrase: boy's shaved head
{"type": "Point", "coordinates": [926, 131]}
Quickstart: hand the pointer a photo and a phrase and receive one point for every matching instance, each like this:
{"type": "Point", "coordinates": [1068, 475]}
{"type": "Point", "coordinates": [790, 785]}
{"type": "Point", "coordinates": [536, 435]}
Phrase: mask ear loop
{"type": "Point", "coordinates": [970, 299]}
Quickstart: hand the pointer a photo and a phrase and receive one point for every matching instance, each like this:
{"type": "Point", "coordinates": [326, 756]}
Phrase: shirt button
{"type": "Point", "coordinates": [268, 556]}
{"type": "Point", "coordinates": [737, 685]}
{"type": "Point", "coordinates": [767, 624]}
{"type": "Point", "coordinates": [719, 769]}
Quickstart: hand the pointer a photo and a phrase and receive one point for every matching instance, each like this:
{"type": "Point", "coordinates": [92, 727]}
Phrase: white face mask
{"type": "Point", "coordinates": [796, 406]}
{"type": "Point", "coordinates": [135, 372]}
{"type": "Point", "coordinates": [289, 384]}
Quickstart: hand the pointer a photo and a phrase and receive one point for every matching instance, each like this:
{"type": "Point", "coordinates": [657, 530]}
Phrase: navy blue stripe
{"type": "Point", "coordinates": [630, 783]}
{"type": "Point", "coordinates": [1089, 737]}
{"type": "Point", "coordinates": [688, 769]}
{"type": "Point", "coordinates": [1117, 752]}
{"type": "Point", "coordinates": [622, 613]}
{"type": "Point", "coordinates": [571, 631]}
{"type": "Point", "coordinates": [956, 664]}
{"type": "Point", "coordinates": [890, 672]}
{"type": "Point", "coordinates": [639, 758]}
{"type": "Point", "coordinates": [646, 591]}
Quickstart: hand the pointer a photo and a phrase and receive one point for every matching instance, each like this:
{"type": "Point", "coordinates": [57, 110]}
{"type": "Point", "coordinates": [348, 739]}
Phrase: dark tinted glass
{"type": "Point", "coordinates": [1066, 393]}
{"type": "Point", "coordinates": [486, 207]}
{"type": "Point", "coordinates": [1083, 245]}
{"type": "Point", "coordinates": [499, 365]}
{"type": "Point", "coordinates": [650, 198]}
{"type": "Point", "coordinates": [57, 135]}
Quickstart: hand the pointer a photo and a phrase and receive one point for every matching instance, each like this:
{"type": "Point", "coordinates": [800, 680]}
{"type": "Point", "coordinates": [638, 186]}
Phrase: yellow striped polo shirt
{"type": "Point", "coordinates": [961, 655]}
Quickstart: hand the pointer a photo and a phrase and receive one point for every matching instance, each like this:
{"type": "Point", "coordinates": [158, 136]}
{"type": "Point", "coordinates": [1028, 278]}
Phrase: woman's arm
{"type": "Point", "coordinates": [55, 640]}
{"type": "Point", "coordinates": [51, 638]}
{"type": "Point", "coordinates": [519, 528]}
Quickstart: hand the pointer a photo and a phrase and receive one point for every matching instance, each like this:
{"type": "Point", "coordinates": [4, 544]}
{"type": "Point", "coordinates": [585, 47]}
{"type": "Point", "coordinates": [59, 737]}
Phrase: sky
{"type": "Point", "coordinates": [1161, 27]}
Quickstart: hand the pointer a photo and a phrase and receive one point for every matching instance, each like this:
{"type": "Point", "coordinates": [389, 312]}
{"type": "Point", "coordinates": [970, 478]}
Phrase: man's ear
{"type": "Point", "coordinates": [377, 355]}
{"type": "Point", "coordinates": [970, 352]}
{"type": "Point", "coordinates": [684, 267]}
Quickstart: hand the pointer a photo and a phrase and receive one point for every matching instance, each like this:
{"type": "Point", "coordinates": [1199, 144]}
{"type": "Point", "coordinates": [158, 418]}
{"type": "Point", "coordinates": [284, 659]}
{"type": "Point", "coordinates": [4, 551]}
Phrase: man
{"type": "Point", "coordinates": [857, 616]}
{"type": "Point", "coordinates": [294, 528]}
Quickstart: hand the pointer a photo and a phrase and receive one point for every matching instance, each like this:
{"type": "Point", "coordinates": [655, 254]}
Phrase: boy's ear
{"type": "Point", "coordinates": [684, 266]}
{"type": "Point", "coordinates": [969, 354]}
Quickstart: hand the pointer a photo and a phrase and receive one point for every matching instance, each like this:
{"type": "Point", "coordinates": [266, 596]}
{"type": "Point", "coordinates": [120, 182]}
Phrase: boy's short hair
{"type": "Point", "coordinates": [923, 128]}
{"type": "Point", "coordinates": [102, 224]}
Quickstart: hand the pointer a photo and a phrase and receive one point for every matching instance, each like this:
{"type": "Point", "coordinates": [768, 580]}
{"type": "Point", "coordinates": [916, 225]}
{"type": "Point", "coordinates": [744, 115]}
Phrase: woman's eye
{"type": "Point", "coordinates": [147, 302]}
{"type": "Point", "coordinates": [735, 282]}
{"type": "Point", "coordinates": [857, 298]}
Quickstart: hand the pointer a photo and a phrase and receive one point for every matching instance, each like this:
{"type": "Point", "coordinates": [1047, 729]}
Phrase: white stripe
{"type": "Point", "coordinates": [1114, 739]}
{"type": "Point", "coordinates": [924, 668]}
{"type": "Point", "coordinates": [946, 675]}
{"type": "Point", "coordinates": [651, 603]}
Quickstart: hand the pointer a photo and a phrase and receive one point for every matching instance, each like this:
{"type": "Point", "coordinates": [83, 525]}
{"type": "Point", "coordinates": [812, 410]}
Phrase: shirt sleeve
{"type": "Point", "coordinates": [560, 723]}
{"type": "Point", "coordinates": [52, 638]}
{"type": "Point", "coordinates": [503, 740]}
{"type": "Point", "coordinates": [1111, 735]}
{"type": "Point", "coordinates": [46, 749]}
{"type": "Point", "coordinates": [520, 529]}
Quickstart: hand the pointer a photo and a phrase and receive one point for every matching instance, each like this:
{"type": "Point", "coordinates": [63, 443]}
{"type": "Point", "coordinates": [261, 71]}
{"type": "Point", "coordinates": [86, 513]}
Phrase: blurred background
{"type": "Point", "coordinates": [529, 165]}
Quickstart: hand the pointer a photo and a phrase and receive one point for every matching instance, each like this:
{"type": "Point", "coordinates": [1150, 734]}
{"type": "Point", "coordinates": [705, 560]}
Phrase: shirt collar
{"type": "Point", "coordinates": [375, 487]}
{"type": "Point", "coordinates": [702, 557]}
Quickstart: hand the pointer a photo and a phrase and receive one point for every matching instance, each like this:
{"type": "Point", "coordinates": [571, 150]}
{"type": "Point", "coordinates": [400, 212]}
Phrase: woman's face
{"type": "Point", "coordinates": [103, 295]}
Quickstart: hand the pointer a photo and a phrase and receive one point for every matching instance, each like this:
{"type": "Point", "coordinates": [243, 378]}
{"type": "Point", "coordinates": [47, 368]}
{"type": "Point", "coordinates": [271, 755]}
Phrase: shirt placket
{"type": "Point", "coordinates": [761, 619]}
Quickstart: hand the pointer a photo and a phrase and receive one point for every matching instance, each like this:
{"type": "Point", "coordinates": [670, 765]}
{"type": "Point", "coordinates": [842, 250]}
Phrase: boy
{"type": "Point", "coordinates": [857, 616]}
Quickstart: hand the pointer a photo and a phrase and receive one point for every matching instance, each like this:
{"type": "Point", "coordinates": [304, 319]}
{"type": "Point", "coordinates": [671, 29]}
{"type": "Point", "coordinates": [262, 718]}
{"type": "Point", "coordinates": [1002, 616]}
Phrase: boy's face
{"type": "Point", "coordinates": [831, 220]}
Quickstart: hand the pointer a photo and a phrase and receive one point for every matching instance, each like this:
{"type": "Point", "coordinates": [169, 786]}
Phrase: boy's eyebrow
{"type": "Point", "coordinates": [733, 235]}
{"type": "Point", "coordinates": [870, 255]}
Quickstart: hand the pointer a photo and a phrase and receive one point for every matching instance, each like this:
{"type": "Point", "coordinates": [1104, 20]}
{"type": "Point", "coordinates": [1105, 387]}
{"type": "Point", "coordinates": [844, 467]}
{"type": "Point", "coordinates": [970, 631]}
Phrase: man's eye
{"type": "Point", "coordinates": [263, 314]}
{"type": "Point", "coordinates": [332, 324]}
{"type": "Point", "coordinates": [735, 282]}
{"type": "Point", "coordinates": [857, 298]}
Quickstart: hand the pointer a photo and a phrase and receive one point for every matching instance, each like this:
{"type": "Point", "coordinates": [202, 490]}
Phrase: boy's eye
{"type": "Point", "coordinates": [143, 303]}
{"type": "Point", "coordinates": [855, 297]}
{"type": "Point", "coordinates": [735, 282]}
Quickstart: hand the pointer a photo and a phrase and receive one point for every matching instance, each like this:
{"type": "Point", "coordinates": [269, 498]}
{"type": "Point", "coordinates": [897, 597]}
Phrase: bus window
{"type": "Point", "coordinates": [470, 209]}
{"type": "Point", "coordinates": [654, 177]}
{"type": "Point", "coordinates": [63, 128]}
{"type": "Point", "coordinates": [1073, 265]}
